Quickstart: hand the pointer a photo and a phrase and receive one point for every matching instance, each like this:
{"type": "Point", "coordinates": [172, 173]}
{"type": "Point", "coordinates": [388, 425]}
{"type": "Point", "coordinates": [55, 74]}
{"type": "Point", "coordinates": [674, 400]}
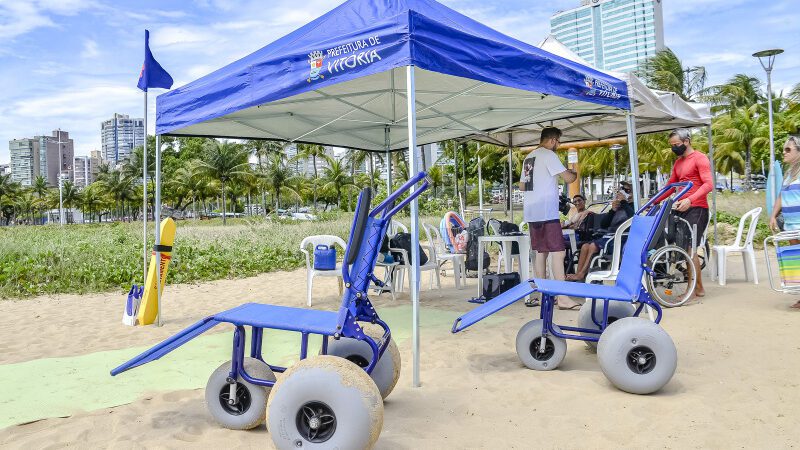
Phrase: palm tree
{"type": "Point", "coordinates": [278, 177]}
{"type": "Point", "coordinates": [336, 178]}
{"type": "Point", "coordinates": [118, 187]}
{"type": "Point", "coordinates": [223, 161]}
{"type": "Point", "coordinates": [437, 178]}
{"type": "Point", "coordinates": [728, 160]}
{"type": "Point", "coordinates": [356, 159]}
{"type": "Point", "coordinates": [40, 188]}
{"type": "Point", "coordinates": [665, 71]}
{"type": "Point", "coordinates": [26, 203]}
{"type": "Point", "coordinates": [739, 132]}
{"type": "Point", "coordinates": [71, 198]}
{"type": "Point", "coordinates": [741, 91]}
{"type": "Point", "coordinates": [313, 151]}
{"type": "Point", "coordinates": [187, 183]}
{"type": "Point", "coordinates": [93, 199]}
{"type": "Point", "coordinates": [263, 149]}
{"type": "Point", "coordinates": [9, 191]}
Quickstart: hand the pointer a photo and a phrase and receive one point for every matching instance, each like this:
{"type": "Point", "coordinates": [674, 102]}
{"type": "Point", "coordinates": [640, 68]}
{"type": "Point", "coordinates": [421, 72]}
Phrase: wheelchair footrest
{"type": "Point", "coordinates": [512, 295]}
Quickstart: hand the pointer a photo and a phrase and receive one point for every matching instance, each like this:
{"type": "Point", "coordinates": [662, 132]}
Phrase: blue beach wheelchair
{"type": "Point", "coordinates": [331, 400]}
{"type": "Point", "coordinates": [635, 353]}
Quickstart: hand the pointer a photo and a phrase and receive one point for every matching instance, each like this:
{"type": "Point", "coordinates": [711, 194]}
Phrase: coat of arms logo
{"type": "Point", "coordinates": [588, 81]}
{"type": "Point", "coordinates": [315, 61]}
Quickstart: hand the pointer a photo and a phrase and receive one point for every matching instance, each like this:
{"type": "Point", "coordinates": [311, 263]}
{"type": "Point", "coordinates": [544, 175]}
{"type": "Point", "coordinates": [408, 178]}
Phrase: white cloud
{"type": "Point", "coordinates": [90, 49]}
{"type": "Point", "coordinates": [725, 58]}
{"type": "Point", "coordinates": [17, 18]}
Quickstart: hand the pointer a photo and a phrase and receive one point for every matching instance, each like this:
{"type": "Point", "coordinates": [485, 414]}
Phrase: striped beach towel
{"type": "Point", "coordinates": [789, 265]}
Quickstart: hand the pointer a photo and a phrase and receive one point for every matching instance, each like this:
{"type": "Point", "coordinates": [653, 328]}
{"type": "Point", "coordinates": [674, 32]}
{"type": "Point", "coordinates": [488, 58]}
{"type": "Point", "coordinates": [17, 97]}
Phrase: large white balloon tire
{"type": "Point", "coordinates": [616, 311]}
{"type": "Point", "coordinates": [250, 409]}
{"type": "Point", "coordinates": [325, 402]}
{"type": "Point", "coordinates": [386, 371]}
{"type": "Point", "coordinates": [528, 344]}
{"type": "Point", "coordinates": [637, 355]}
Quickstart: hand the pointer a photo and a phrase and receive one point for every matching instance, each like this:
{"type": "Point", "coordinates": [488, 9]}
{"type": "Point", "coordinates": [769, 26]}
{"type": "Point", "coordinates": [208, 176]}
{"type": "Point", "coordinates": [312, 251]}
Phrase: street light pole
{"type": "Point", "coordinates": [60, 190]}
{"type": "Point", "coordinates": [767, 59]}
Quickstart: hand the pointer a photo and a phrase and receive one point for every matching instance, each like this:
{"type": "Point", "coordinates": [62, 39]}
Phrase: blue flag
{"type": "Point", "coordinates": [152, 75]}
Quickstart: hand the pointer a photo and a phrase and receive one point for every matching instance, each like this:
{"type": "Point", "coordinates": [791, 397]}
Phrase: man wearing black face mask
{"type": "Point", "coordinates": [693, 166]}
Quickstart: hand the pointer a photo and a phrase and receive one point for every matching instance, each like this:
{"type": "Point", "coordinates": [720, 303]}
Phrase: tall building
{"type": "Point", "coordinates": [5, 169]}
{"type": "Point", "coordinates": [615, 35]}
{"type": "Point", "coordinates": [97, 154]}
{"type": "Point", "coordinates": [49, 156]}
{"type": "Point", "coordinates": [119, 136]}
{"type": "Point", "coordinates": [24, 160]}
{"type": "Point", "coordinates": [85, 170]}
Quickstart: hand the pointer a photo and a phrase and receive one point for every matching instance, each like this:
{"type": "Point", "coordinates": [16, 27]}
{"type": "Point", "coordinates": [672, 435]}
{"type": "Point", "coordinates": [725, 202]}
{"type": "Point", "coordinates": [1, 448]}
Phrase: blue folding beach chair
{"type": "Point", "coordinates": [635, 353]}
{"type": "Point", "coordinates": [332, 400]}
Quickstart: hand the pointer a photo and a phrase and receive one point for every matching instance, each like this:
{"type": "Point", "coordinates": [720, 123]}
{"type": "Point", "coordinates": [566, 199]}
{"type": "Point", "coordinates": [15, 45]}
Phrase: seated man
{"type": "Point", "coordinates": [621, 210]}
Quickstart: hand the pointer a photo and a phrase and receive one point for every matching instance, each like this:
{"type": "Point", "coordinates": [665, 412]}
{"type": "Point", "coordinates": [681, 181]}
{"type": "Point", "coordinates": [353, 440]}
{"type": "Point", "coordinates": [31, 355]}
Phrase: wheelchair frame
{"type": "Point", "coordinates": [366, 234]}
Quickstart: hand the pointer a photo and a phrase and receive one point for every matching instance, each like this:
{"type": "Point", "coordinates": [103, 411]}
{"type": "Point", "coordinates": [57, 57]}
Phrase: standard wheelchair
{"type": "Point", "coordinates": [634, 353]}
{"type": "Point", "coordinates": [334, 399]}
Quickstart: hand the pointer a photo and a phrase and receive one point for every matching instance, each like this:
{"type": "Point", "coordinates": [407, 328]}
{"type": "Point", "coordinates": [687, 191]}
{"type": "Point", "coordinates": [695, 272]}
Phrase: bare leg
{"type": "Point", "coordinates": [584, 255]}
{"type": "Point", "coordinates": [564, 302]}
{"type": "Point", "coordinates": [541, 265]}
{"type": "Point", "coordinates": [699, 291]}
{"type": "Point", "coordinates": [587, 252]}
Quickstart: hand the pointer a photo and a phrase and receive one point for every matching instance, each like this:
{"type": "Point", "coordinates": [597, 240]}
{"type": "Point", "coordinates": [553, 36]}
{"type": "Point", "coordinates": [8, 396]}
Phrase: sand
{"type": "Point", "coordinates": [737, 383]}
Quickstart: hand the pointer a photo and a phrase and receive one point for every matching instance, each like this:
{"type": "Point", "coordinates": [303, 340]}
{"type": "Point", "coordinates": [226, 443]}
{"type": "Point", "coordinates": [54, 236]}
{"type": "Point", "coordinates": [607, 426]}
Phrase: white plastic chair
{"type": "Point", "coordinates": [430, 265]}
{"type": "Point", "coordinates": [611, 273]}
{"type": "Point", "coordinates": [396, 227]}
{"type": "Point", "coordinates": [311, 272]}
{"type": "Point", "coordinates": [443, 256]}
{"type": "Point", "coordinates": [494, 225]}
{"type": "Point", "coordinates": [721, 252]}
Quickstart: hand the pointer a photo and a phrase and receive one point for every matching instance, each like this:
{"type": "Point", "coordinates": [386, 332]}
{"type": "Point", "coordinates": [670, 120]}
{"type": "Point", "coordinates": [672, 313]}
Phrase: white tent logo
{"type": "Point", "coordinates": [315, 61]}
{"type": "Point", "coordinates": [600, 88]}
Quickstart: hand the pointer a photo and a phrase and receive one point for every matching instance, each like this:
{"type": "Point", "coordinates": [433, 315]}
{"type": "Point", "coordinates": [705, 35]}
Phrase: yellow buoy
{"type": "Point", "coordinates": [148, 309]}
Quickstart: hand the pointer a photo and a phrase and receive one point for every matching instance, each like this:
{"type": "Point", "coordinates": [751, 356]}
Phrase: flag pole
{"type": "Point", "coordinates": [144, 194]}
{"type": "Point", "coordinates": [157, 220]}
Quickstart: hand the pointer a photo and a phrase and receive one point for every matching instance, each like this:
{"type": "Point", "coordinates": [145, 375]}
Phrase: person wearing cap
{"type": "Point", "coordinates": [621, 210]}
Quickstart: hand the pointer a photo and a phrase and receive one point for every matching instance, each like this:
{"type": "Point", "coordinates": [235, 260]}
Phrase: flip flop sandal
{"type": "Point", "coordinates": [532, 302]}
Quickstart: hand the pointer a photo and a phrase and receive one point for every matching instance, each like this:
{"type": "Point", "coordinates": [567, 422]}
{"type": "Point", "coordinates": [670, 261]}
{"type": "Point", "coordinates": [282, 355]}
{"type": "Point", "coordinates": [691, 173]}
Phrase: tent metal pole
{"type": "Point", "coordinates": [157, 220]}
{"type": "Point", "coordinates": [414, 159]}
{"type": "Point", "coordinates": [510, 185]}
{"type": "Point", "coordinates": [480, 182]}
{"type": "Point", "coordinates": [388, 161]}
{"type": "Point", "coordinates": [634, 158]}
{"type": "Point", "coordinates": [144, 194]}
{"type": "Point", "coordinates": [713, 191]}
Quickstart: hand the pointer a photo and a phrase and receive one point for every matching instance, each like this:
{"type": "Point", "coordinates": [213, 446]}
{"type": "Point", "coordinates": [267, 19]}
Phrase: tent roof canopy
{"type": "Point", "coordinates": [654, 110]}
{"type": "Point", "coordinates": [335, 81]}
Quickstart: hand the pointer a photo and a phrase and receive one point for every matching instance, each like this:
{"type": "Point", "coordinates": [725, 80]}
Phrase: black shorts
{"type": "Point", "coordinates": [697, 218]}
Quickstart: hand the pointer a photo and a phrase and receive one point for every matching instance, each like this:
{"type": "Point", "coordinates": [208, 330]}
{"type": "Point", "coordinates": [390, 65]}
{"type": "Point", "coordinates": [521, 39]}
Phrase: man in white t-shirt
{"type": "Point", "coordinates": [539, 181]}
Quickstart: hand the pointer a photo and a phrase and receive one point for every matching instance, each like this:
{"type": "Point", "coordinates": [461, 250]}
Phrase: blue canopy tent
{"type": "Point", "coordinates": [387, 75]}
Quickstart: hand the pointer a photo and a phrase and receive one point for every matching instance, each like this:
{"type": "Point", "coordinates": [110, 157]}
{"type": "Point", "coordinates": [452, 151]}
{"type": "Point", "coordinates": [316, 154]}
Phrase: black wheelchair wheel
{"type": "Point", "coordinates": [674, 277]}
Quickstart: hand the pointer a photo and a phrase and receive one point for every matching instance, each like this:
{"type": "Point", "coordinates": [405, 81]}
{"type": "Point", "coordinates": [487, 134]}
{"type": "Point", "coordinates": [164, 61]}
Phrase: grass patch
{"type": "Point", "coordinates": [37, 260]}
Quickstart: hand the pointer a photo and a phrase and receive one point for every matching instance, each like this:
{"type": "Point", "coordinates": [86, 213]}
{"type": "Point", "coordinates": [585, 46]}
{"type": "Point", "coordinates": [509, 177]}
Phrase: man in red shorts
{"type": "Point", "coordinates": [539, 181]}
{"type": "Point", "coordinates": [693, 166]}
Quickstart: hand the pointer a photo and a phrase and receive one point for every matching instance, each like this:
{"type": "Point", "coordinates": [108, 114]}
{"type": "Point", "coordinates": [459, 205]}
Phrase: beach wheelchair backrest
{"type": "Point", "coordinates": [645, 230]}
{"type": "Point", "coordinates": [366, 236]}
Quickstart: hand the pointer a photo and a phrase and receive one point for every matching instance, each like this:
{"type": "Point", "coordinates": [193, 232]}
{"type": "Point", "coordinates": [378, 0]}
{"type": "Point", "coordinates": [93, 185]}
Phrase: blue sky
{"type": "Point", "coordinates": [73, 63]}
